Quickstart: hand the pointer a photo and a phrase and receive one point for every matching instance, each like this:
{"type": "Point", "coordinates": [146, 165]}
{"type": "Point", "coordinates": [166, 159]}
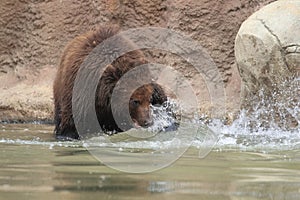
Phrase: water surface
{"type": "Point", "coordinates": [33, 165]}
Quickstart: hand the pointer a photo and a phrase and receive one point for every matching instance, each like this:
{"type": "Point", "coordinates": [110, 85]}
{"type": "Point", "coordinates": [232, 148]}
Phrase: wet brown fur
{"type": "Point", "coordinates": [73, 56]}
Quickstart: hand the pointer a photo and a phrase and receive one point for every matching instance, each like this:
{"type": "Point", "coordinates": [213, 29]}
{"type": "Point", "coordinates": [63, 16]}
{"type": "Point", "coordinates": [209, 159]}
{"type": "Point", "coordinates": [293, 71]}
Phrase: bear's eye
{"type": "Point", "coordinates": [134, 102]}
{"type": "Point", "coordinates": [151, 99]}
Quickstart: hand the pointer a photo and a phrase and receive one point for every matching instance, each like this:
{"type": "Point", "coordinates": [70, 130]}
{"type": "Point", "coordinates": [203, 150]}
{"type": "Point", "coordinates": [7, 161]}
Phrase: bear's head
{"type": "Point", "coordinates": [139, 106]}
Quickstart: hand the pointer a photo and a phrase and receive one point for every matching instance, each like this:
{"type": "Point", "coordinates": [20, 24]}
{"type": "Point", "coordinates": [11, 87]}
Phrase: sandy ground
{"type": "Point", "coordinates": [27, 97]}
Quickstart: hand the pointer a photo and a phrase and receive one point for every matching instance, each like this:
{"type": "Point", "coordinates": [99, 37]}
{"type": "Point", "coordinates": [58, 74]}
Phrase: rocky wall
{"type": "Point", "coordinates": [33, 34]}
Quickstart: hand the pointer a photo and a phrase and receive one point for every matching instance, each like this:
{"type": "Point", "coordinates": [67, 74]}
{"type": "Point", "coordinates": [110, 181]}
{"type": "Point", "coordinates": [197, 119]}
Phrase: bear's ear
{"type": "Point", "coordinates": [159, 95]}
{"type": "Point", "coordinates": [135, 60]}
{"type": "Point", "coordinates": [110, 68]}
{"type": "Point", "coordinates": [113, 72]}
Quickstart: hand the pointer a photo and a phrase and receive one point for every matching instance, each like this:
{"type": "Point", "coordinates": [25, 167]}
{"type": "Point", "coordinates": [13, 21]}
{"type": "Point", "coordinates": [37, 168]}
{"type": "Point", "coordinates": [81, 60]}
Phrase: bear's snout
{"type": "Point", "coordinates": [147, 122]}
{"type": "Point", "coordinates": [143, 117]}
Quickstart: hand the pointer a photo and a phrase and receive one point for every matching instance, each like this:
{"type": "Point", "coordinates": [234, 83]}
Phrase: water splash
{"type": "Point", "coordinates": [272, 122]}
{"type": "Point", "coordinates": [279, 108]}
{"type": "Point", "coordinates": [164, 117]}
{"type": "Point", "coordinates": [273, 119]}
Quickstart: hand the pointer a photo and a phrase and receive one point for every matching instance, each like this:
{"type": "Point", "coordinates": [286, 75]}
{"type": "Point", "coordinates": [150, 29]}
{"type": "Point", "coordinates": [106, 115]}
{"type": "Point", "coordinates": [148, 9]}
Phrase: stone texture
{"type": "Point", "coordinates": [268, 58]}
{"type": "Point", "coordinates": [34, 33]}
{"type": "Point", "coordinates": [267, 47]}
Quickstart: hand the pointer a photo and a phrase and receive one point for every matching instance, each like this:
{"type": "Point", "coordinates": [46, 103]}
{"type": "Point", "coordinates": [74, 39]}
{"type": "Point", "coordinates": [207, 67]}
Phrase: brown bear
{"type": "Point", "coordinates": [73, 56]}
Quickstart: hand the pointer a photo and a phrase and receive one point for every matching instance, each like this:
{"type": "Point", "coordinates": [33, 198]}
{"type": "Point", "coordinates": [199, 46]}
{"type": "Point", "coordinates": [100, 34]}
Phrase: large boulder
{"type": "Point", "coordinates": [267, 50]}
{"type": "Point", "coordinates": [267, 47]}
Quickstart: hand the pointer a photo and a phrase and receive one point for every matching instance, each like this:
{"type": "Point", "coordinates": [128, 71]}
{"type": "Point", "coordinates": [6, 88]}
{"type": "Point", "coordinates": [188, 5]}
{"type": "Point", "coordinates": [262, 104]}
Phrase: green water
{"type": "Point", "coordinates": [35, 166]}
